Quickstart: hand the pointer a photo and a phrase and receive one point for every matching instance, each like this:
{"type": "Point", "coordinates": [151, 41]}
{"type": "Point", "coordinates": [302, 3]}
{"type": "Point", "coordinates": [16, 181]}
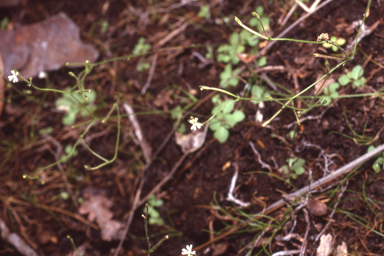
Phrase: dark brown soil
{"type": "Point", "coordinates": [195, 208]}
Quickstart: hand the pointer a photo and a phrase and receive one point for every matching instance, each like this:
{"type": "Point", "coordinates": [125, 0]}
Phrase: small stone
{"type": "Point", "coordinates": [317, 208]}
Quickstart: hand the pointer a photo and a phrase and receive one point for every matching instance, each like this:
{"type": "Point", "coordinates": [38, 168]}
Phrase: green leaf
{"type": "Point", "coordinates": [344, 80]}
{"type": "Point", "coordinates": [253, 22]}
{"type": "Point", "coordinates": [70, 117]}
{"type": "Point", "coordinates": [176, 112]}
{"type": "Point", "coordinates": [376, 167]}
{"type": "Point", "coordinates": [327, 100]}
{"type": "Point", "coordinates": [260, 10]}
{"type": "Point", "coordinates": [299, 171]}
{"type": "Point", "coordinates": [262, 62]}
{"type": "Point", "coordinates": [333, 87]}
{"type": "Point", "coordinates": [239, 116]}
{"type": "Point", "coordinates": [230, 120]}
{"type": "Point", "coordinates": [234, 39]}
{"type": "Point", "coordinates": [359, 82]}
{"type": "Point", "coordinates": [46, 130]}
{"type": "Point", "coordinates": [221, 134]}
{"type": "Point", "coordinates": [326, 45]}
{"type": "Point", "coordinates": [334, 95]}
{"type": "Point", "coordinates": [298, 164]}
{"type": "Point", "coordinates": [357, 72]}
{"type": "Point", "coordinates": [340, 41]}
{"type": "Point", "coordinates": [215, 124]}
{"type": "Point", "coordinates": [204, 12]}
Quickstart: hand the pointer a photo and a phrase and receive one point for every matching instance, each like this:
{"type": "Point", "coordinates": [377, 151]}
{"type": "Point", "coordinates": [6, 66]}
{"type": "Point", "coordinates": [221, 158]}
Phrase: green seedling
{"type": "Point", "coordinates": [226, 74]}
{"type": "Point", "coordinates": [330, 93]}
{"type": "Point", "coordinates": [4, 23]}
{"type": "Point", "coordinates": [339, 41]}
{"type": "Point", "coordinates": [293, 169]}
{"type": "Point", "coordinates": [379, 163]}
{"type": "Point", "coordinates": [104, 26]}
{"type": "Point", "coordinates": [73, 103]}
{"type": "Point", "coordinates": [154, 218]}
{"type": "Point", "coordinates": [67, 153]}
{"type": "Point", "coordinates": [145, 217]}
{"type": "Point", "coordinates": [227, 53]}
{"type": "Point", "coordinates": [225, 118]}
{"type": "Point", "coordinates": [355, 77]}
{"type": "Point", "coordinates": [254, 22]}
{"type": "Point", "coordinates": [204, 12]}
{"type": "Point", "coordinates": [46, 130]}
{"type": "Point", "coordinates": [141, 48]}
{"type": "Point", "coordinates": [259, 92]}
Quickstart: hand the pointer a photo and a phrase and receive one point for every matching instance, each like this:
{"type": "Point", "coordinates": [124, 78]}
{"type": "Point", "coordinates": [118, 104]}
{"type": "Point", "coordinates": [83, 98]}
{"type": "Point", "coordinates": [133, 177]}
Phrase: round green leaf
{"type": "Point", "coordinates": [221, 134]}
{"type": "Point", "coordinates": [334, 86]}
{"type": "Point", "coordinates": [215, 124]}
{"type": "Point", "coordinates": [299, 171]}
{"type": "Point", "coordinates": [340, 41]}
{"type": "Point", "coordinates": [327, 100]}
{"type": "Point", "coordinates": [357, 72]}
{"type": "Point", "coordinates": [238, 116]}
{"type": "Point", "coordinates": [344, 80]}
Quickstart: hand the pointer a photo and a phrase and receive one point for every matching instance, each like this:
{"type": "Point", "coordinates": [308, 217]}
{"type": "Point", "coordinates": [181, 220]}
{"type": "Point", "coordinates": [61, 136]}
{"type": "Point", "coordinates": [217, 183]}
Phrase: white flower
{"type": "Point", "coordinates": [13, 77]}
{"type": "Point", "coordinates": [195, 124]}
{"type": "Point", "coordinates": [42, 75]}
{"type": "Point", "coordinates": [188, 251]}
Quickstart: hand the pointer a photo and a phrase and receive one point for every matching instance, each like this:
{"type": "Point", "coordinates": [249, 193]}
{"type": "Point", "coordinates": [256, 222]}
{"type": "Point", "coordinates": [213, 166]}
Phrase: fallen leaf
{"type": "Point", "coordinates": [97, 207]}
{"type": "Point", "coordinates": [44, 46]}
{"type": "Point", "coordinates": [191, 142]}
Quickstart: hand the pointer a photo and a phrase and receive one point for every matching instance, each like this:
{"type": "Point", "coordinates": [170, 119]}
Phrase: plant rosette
{"type": "Point", "coordinates": [339, 41]}
{"type": "Point", "coordinates": [74, 103]}
{"type": "Point", "coordinates": [224, 120]}
{"type": "Point", "coordinates": [355, 77]}
{"type": "Point", "coordinates": [293, 169]}
{"type": "Point", "coordinates": [330, 92]}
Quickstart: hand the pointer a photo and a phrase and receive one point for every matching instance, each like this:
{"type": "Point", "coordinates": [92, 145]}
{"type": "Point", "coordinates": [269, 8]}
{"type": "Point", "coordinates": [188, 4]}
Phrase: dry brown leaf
{"type": "Point", "coordinates": [97, 208]}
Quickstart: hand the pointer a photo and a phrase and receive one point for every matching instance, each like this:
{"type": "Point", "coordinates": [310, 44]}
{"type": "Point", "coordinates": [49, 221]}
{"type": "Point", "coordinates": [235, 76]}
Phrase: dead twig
{"type": "Point", "coordinates": [334, 175]}
{"type": "Point", "coordinates": [150, 75]}
{"type": "Point", "coordinates": [145, 147]}
{"type": "Point", "coordinates": [15, 240]}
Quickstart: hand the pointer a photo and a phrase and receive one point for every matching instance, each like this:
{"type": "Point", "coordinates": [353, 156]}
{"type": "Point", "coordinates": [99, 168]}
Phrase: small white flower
{"type": "Point", "coordinates": [195, 124]}
{"type": "Point", "coordinates": [188, 251]}
{"type": "Point", "coordinates": [13, 77]}
{"type": "Point", "coordinates": [42, 75]}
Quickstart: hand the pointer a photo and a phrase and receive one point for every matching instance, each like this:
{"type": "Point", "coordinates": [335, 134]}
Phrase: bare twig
{"type": "Point", "coordinates": [139, 133]}
{"type": "Point", "coordinates": [334, 175]}
{"type": "Point", "coordinates": [150, 75]}
{"type": "Point", "coordinates": [230, 196]}
{"type": "Point", "coordinates": [304, 244]}
{"type": "Point", "coordinates": [333, 212]}
{"type": "Point", "coordinates": [263, 165]}
{"type": "Point", "coordinates": [15, 240]}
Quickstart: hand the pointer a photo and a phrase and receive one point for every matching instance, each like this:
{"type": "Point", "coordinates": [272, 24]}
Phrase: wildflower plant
{"type": "Point", "coordinates": [288, 102]}
{"type": "Point", "coordinates": [72, 104]}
